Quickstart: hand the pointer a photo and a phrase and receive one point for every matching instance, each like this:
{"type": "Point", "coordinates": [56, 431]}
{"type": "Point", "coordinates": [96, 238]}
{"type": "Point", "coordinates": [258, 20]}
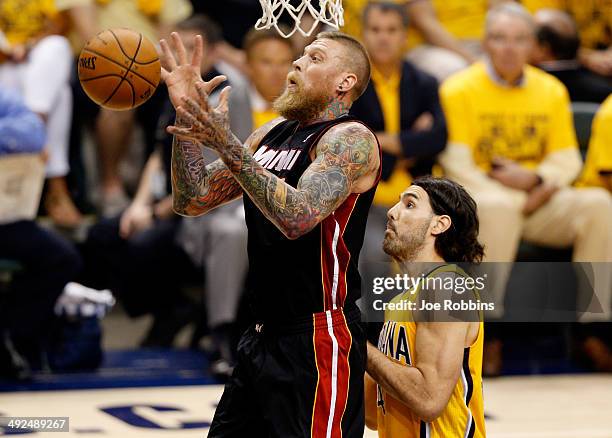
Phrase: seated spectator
{"type": "Point", "coordinates": [48, 261]}
{"type": "Point", "coordinates": [597, 171]}
{"type": "Point", "coordinates": [401, 104]}
{"type": "Point", "coordinates": [133, 255]}
{"type": "Point", "coordinates": [38, 66]}
{"type": "Point", "coordinates": [512, 145]}
{"type": "Point", "coordinates": [213, 239]}
{"type": "Point", "coordinates": [145, 254]}
{"type": "Point", "coordinates": [511, 142]}
{"type": "Point", "coordinates": [269, 58]}
{"type": "Point", "coordinates": [556, 52]}
{"type": "Point", "coordinates": [594, 20]}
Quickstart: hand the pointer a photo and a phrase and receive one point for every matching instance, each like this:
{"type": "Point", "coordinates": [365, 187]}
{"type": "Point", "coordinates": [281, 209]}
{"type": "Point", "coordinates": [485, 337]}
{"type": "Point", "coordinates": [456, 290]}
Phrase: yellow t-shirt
{"type": "Point", "coordinates": [462, 19]}
{"type": "Point", "coordinates": [594, 18]}
{"type": "Point", "coordinates": [387, 90]}
{"type": "Point", "coordinates": [262, 117]}
{"type": "Point", "coordinates": [464, 412]}
{"type": "Point", "coordinates": [599, 154]}
{"type": "Point", "coordinates": [523, 123]}
{"type": "Point", "coordinates": [22, 20]}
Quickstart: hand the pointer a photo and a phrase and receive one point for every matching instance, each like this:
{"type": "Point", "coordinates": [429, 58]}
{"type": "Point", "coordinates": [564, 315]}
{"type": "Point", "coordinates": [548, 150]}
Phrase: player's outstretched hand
{"type": "Point", "coordinates": [207, 126]}
{"type": "Point", "coordinates": [181, 74]}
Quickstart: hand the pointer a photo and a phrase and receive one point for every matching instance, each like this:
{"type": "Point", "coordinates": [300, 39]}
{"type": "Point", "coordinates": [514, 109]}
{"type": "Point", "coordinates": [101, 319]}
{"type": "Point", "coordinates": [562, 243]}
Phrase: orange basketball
{"type": "Point", "coordinates": [119, 69]}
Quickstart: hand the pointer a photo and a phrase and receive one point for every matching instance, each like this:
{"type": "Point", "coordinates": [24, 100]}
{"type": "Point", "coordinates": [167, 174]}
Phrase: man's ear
{"type": "Point", "coordinates": [347, 83]}
{"type": "Point", "coordinates": [441, 224]}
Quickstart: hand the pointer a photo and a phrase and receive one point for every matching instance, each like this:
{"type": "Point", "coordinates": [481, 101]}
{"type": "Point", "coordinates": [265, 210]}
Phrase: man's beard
{"type": "Point", "coordinates": [299, 105]}
{"type": "Point", "coordinates": [406, 246]}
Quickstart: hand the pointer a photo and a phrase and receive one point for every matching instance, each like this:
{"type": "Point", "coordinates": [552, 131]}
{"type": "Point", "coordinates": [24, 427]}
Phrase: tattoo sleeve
{"type": "Point", "coordinates": [197, 188]}
{"type": "Point", "coordinates": [344, 154]}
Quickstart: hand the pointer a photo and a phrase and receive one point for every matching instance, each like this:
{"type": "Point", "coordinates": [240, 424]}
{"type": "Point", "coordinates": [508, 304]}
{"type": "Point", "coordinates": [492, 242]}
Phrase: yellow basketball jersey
{"type": "Point", "coordinates": [463, 416]}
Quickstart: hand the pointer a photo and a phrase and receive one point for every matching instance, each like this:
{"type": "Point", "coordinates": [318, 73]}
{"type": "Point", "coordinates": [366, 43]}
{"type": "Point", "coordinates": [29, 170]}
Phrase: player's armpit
{"type": "Point", "coordinates": [197, 188]}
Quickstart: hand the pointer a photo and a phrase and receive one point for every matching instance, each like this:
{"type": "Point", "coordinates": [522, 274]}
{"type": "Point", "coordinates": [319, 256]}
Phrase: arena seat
{"type": "Point", "coordinates": [583, 112]}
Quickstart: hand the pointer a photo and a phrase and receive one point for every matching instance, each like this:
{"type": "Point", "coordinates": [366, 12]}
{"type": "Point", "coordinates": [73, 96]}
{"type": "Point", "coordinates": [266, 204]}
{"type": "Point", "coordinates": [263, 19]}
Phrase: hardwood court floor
{"type": "Point", "coordinates": [572, 406]}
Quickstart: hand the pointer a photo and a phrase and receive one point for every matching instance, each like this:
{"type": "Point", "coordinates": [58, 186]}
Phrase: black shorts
{"type": "Point", "coordinates": [297, 381]}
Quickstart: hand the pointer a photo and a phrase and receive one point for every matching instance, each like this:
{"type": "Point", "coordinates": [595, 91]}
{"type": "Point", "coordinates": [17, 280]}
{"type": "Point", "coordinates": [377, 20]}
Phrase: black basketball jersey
{"type": "Point", "coordinates": [292, 279]}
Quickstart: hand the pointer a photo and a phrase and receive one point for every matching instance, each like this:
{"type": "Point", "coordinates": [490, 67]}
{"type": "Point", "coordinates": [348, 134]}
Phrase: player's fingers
{"type": "Point", "coordinates": [209, 86]}
{"type": "Point", "coordinates": [167, 58]}
{"type": "Point", "coordinates": [184, 133]}
{"type": "Point", "coordinates": [202, 95]}
{"type": "Point", "coordinates": [164, 74]}
{"type": "Point", "coordinates": [179, 48]}
{"type": "Point", "coordinates": [189, 118]}
{"type": "Point", "coordinates": [183, 137]}
{"type": "Point", "coordinates": [186, 117]}
{"type": "Point", "coordinates": [198, 52]}
{"type": "Point", "coordinates": [224, 99]}
{"type": "Point", "coordinates": [195, 109]}
{"type": "Point", "coordinates": [201, 89]}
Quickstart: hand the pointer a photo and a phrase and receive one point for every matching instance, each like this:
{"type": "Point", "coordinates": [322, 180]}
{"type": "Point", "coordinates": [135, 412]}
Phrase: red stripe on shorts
{"type": "Point", "coordinates": [332, 344]}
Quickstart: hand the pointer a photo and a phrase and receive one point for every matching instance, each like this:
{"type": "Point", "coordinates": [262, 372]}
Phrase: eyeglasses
{"type": "Point", "coordinates": [501, 40]}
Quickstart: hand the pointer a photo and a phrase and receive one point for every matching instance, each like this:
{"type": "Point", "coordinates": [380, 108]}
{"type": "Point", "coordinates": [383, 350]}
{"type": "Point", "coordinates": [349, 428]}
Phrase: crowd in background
{"type": "Point", "coordinates": [476, 91]}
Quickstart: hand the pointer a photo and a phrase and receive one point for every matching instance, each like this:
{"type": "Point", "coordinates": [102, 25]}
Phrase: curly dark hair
{"type": "Point", "coordinates": [460, 242]}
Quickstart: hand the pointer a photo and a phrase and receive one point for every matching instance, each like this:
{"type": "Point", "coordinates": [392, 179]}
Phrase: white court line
{"type": "Point", "coordinates": [582, 433]}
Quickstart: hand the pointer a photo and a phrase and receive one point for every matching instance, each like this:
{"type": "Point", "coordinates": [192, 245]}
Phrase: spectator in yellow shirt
{"type": "Point", "coordinates": [597, 170]}
{"type": "Point", "coordinates": [513, 147]}
{"type": "Point", "coordinates": [512, 144]}
{"type": "Point", "coordinates": [269, 58]}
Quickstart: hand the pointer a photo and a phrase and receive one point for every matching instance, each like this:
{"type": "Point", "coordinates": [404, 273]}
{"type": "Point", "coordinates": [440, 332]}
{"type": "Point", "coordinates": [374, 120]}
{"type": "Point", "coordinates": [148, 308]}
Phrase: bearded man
{"type": "Point", "coordinates": [425, 377]}
{"type": "Point", "coordinates": [309, 179]}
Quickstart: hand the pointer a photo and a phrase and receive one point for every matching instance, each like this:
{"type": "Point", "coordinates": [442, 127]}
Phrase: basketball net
{"type": "Point", "coordinates": [329, 12]}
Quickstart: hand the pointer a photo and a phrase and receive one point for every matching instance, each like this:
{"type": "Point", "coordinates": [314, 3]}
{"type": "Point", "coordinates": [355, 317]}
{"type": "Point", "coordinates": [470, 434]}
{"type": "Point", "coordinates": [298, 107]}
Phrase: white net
{"type": "Point", "coordinates": [327, 12]}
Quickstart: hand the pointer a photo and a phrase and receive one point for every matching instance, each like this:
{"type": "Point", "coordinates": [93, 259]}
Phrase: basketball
{"type": "Point", "coordinates": [119, 69]}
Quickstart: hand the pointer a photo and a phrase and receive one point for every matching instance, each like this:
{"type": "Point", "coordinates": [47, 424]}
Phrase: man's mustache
{"type": "Point", "coordinates": [294, 79]}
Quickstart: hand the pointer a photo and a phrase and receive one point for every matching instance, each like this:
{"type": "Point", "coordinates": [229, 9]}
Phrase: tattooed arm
{"type": "Point", "coordinates": [346, 162]}
{"type": "Point", "coordinates": [196, 188]}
